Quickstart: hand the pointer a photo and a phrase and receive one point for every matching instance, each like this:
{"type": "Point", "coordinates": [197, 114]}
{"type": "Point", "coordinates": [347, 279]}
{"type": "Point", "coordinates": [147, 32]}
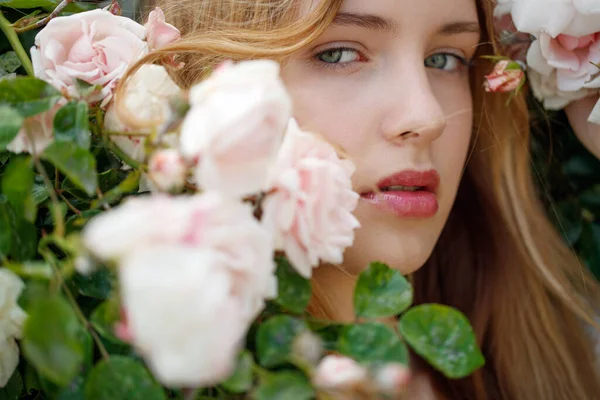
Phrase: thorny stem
{"type": "Point", "coordinates": [13, 39]}
{"type": "Point", "coordinates": [47, 19]}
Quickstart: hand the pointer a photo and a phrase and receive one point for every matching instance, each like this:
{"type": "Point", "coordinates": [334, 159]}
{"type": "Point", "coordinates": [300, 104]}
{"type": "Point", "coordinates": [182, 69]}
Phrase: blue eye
{"type": "Point", "coordinates": [445, 61]}
{"type": "Point", "coordinates": [339, 55]}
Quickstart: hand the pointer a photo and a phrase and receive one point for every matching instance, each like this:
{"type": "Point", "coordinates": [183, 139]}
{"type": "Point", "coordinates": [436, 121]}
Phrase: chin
{"type": "Point", "coordinates": [403, 245]}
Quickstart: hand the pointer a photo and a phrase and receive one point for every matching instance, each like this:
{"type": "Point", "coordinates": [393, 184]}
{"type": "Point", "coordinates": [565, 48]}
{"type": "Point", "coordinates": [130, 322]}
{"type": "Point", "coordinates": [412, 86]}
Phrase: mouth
{"type": "Point", "coordinates": [407, 194]}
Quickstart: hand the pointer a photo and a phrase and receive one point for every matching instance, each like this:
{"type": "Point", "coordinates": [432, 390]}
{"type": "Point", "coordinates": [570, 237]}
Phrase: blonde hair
{"type": "Point", "coordinates": [498, 260]}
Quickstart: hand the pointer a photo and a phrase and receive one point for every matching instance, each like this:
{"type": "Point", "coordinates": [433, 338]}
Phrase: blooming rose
{"type": "Point", "coordinates": [235, 126]}
{"type": "Point", "coordinates": [36, 133]}
{"type": "Point", "coordinates": [506, 77]}
{"type": "Point", "coordinates": [194, 272]}
{"type": "Point", "coordinates": [310, 209]}
{"type": "Point", "coordinates": [339, 373]}
{"type": "Point", "coordinates": [146, 98]}
{"type": "Point", "coordinates": [545, 90]}
{"type": "Point", "coordinates": [94, 46]}
{"type": "Point", "coordinates": [167, 170]}
{"type": "Point", "coordinates": [159, 33]}
{"type": "Point", "coordinates": [12, 318]}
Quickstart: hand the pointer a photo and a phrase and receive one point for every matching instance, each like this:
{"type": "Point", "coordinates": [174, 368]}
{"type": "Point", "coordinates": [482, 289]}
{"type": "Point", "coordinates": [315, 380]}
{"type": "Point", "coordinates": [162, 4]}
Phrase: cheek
{"type": "Point", "coordinates": [329, 107]}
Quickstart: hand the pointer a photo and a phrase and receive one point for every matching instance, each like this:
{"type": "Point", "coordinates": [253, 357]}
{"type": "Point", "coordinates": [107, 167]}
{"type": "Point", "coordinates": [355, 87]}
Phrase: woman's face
{"type": "Point", "coordinates": [389, 82]}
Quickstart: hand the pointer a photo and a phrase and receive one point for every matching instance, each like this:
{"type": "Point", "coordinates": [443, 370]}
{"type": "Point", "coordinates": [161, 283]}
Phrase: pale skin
{"type": "Point", "coordinates": [389, 82]}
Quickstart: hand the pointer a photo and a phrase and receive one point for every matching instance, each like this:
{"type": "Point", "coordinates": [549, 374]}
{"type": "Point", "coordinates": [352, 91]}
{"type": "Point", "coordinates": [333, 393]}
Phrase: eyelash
{"type": "Point", "coordinates": [362, 58]}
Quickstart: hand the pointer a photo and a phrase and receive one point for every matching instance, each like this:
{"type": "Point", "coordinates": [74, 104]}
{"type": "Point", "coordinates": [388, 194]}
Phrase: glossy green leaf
{"type": "Point", "coordinates": [294, 291]}
{"type": "Point", "coordinates": [24, 237]}
{"type": "Point", "coordinates": [9, 62]}
{"type": "Point", "coordinates": [71, 124]}
{"type": "Point", "coordinates": [97, 284]}
{"type": "Point", "coordinates": [241, 379]}
{"type": "Point", "coordinates": [381, 292]}
{"type": "Point", "coordinates": [17, 186]}
{"type": "Point", "coordinates": [51, 339]}
{"type": "Point", "coordinates": [74, 391]}
{"type": "Point", "coordinates": [104, 318]}
{"type": "Point", "coordinates": [285, 386]}
{"type": "Point", "coordinates": [121, 378]}
{"type": "Point", "coordinates": [444, 337]}
{"type": "Point", "coordinates": [275, 338]}
{"type": "Point", "coordinates": [29, 96]}
{"type": "Point", "coordinates": [372, 342]}
{"type": "Point", "coordinates": [78, 164]}
{"type": "Point", "coordinates": [10, 124]}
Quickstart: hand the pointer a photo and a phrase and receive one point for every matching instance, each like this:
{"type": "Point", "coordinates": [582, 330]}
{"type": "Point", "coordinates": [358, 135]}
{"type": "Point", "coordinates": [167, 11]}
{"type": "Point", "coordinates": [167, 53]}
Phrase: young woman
{"type": "Point", "coordinates": [442, 167]}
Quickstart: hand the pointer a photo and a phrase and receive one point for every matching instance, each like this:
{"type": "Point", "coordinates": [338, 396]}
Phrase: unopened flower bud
{"type": "Point", "coordinates": [167, 170]}
{"type": "Point", "coordinates": [339, 373]}
{"type": "Point", "coordinates": [392, 379]}
{"type": "Point", "coordinates": [506, 77]}
{"type": "Point", "coordinates": [308, 347]}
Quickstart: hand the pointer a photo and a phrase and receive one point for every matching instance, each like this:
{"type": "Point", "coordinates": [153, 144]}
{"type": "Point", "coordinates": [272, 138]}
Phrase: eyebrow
{"type": "Point", "coordinates": [377, 23]}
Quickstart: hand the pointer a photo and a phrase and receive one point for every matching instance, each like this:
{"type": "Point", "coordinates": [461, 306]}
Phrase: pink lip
{"type": "Point", "coordinates": [417, 204]}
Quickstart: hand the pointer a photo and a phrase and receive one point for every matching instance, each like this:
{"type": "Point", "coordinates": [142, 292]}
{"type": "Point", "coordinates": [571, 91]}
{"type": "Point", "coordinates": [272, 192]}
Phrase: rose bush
{"type": "Point", "coordinates": [157, 242]}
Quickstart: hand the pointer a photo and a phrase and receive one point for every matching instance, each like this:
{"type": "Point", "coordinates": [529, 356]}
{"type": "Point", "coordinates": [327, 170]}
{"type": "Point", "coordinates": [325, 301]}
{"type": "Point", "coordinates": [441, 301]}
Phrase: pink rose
{"type": "Point", "coordinates": [94, 46]}
{"type": "Point", "coordinates": [310, 209]}
{"type": "Point", "coordinates": [571, 57]}
{"type": "Point", "coordinates": [506, 77]}
{"type": "Point", "coordinates": [194, 271]}
{"type": "Point", "coordinates": [158, 32]}
{"type": "Point", "coordinates": [339, 373]}
{"type": "Point", "coordinates": [36, 133]}
{"type": "Point", "coordinates": [235, 127]}
{"type": "Point", "coordinates": [167, 170]}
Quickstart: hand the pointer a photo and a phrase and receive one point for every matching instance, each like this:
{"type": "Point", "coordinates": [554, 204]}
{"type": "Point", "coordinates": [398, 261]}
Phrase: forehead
{"type": "Point", "coordinates": [408, 15]}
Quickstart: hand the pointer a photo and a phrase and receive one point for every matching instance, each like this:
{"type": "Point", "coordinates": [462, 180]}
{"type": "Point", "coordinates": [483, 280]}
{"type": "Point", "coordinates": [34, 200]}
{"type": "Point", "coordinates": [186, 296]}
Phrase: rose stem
{"type": "Point", "coordinates": [47, 19]}
{"type": "Point", "coordinates": [14, 41]}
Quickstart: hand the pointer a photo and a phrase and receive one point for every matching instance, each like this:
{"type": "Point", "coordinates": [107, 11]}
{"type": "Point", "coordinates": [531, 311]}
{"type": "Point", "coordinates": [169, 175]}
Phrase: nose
{"type": "Point", "coordinates": [411, 111]}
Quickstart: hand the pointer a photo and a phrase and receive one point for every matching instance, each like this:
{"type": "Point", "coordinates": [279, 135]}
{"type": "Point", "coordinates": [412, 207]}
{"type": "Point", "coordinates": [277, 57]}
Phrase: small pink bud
{"type": "Point", "coordinates": [308, 347]}
{"type": "Point", "coordinates": [392, 379]}
{"type": "Point", "coordinates": [167, 170]}
{"type": "Point", "coordinates": [114, 8]}
{"type": "Point", "coordinates": [506, 77]}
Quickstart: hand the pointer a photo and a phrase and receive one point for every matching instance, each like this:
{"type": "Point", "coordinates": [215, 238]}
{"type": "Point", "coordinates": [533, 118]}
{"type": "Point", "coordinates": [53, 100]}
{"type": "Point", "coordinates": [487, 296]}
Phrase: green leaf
{"type": "Point", "coordinates": [381, 292]}
{"type": "Point", "coordinates": [294, 291]}
{"type": "Point", "coordinates": [97, 285]}
{"type": "Point", "coordinates": [13, 388]}
{"type": "Point", "coordinates": [9, 62]}
{"type": "Point", "coordinates": [71, 124]}
{"type": "Point", "coordinates": [29, 96]}
{"type": "Point", "coordinates": [275, 338]}
{"type": "Point", "coordinates": [6, 229]}
{"type": "Point", "coordinates": [51, 339]}
{"type": "Point", "coordinates": [10, 124]}
{"type": "Point", "coordinates": [372, 342]}
{"type": "Point", "coordinates": [74, 391]}
{"type": "Point", "coordinates": [443, 336]}
{"type": "Point", "coordinates": [17, 186]}
{"type": "Point", "coordinates": [285, 386]}
{"type": "Point", "coordinates": [121, 378]}
{"type": "Point", "coordinates": [32, 269]}
{"type": "Point", "coordinates": [241, 380]}
{"type": "Point", "coordinates": [23, 242]}
{"type": "Point", "coordinates": [104, 318]}
{"type": "Point", "coordinates": [78, 164]}
{"type": "Point", "coordinates": [28, 3]}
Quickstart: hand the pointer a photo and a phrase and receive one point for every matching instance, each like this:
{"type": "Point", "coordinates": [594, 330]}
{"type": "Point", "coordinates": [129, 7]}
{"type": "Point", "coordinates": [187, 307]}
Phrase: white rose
{"type": "Point", "coordinates": [235, 126]}
{"type": "Point", "coordinates": [545, 90]}
{"type": "Point", "coordinates": [146, 98]}
{"type": "Point", "coordinates": [195, 271]}
{"type": "Point", "coordinates": [555, 17]}
{"type": "Point", "coordinates": [12, 318]}
{"type": "Point", "coordinates": [36, 133]}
